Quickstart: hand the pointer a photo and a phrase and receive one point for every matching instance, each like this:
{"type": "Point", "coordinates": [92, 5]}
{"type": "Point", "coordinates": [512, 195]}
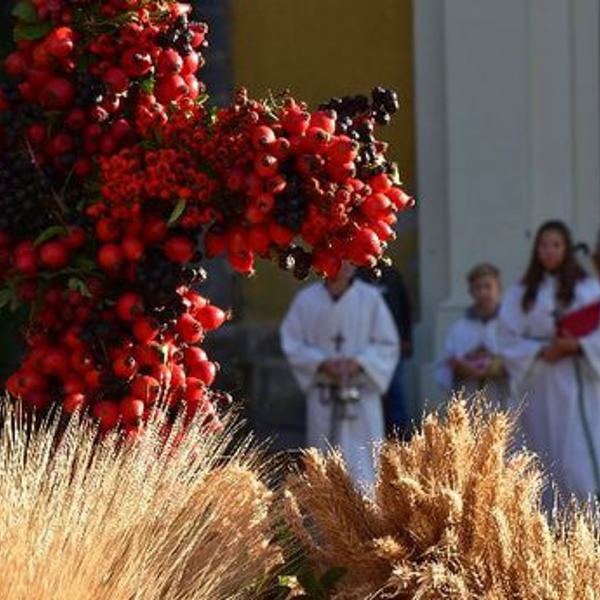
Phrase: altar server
{"type": "Point", "coordinates": [342, 345]}
{"type": "Point", "coordinates": [470, 361]}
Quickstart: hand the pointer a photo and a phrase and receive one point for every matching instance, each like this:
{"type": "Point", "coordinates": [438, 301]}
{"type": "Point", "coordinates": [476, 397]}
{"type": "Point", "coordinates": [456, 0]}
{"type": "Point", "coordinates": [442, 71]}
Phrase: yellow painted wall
{"type": "Point", "coordinates": [320, 49]}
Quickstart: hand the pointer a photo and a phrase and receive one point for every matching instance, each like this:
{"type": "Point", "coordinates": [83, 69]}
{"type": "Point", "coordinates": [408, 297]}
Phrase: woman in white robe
{"type": "Point", "coordinates": [321, 330]}
{"type": "Point", "coordinates": [555, 380]}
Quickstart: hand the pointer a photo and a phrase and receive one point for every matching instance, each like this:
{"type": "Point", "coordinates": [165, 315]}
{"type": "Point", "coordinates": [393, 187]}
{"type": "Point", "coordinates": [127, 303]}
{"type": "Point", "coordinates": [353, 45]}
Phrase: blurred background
{"type": "Point", "coordinates": [498, 130]}
{"type": "Point", "coordinates": [317, 49]}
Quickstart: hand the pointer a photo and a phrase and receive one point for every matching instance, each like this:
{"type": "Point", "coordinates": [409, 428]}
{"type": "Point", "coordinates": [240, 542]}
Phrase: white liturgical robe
{"type": "Point", "coordinates": [468, 335]}
{"type": "Point", "coordinates": [559, 402]}
{"type": "Point", "coordinates": [357, 325]}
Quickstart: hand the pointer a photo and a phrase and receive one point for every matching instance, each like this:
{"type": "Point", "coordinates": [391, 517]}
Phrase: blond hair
{"type": "Point", "coordinates": [483, 270]}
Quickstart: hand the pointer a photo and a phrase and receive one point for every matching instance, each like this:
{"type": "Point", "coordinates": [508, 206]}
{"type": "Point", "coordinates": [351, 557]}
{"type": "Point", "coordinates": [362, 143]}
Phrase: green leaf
{"type": "Point", "coordinates": [5, 297]}
{"type": "Point", "coordinates": [78, 285]}
{"type": "Point", "coordinates": [84, 263]}
{"type": "Point", "coordinates": [395, 174]}
{"type": "Point", "coordinates": [81, 204]}
{"type": "Point", "coordinates": [25, 11]}
{"type": "Point", "coordinates": [309, 582]}
{"type": "Point", "coordinates": [84, 61]}
{"type": "Point", "coordinates": [9, 298]}
{"type": "Point", "coordinates": [177, 212]}
{"type": "Point", "coordinates": [48, 234]}
{"type": "Point", "coordinates": [147, 85]}
{"type": "Point", "coordinates": [15, 304]}
{"type": "Point", "coordinates": [148, 144]}
{"type": "Point", "coordinates": [332, 577]}
{"type": "Point", "coordinates": [288, 581]}
{"type": "Point", "coordinates": [31, 31]}
{"type": "Point", "coordinates": [125, 17]}
{"type": "Point", "coordinates": [164, 354]}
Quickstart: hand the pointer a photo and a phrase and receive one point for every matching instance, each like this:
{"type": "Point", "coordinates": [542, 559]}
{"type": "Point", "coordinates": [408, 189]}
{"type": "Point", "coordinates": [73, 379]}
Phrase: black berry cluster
{"type": "Point", "coordinates": [291, 206]}
{"type": "Point", "coordinates": [25, 197]}
{"type": "Point", "coordinates": [160, 277]}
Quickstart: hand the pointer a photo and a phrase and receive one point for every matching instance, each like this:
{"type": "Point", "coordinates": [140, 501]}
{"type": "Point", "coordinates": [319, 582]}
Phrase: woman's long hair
{"type": "Point", "coordinates": [568, 274]}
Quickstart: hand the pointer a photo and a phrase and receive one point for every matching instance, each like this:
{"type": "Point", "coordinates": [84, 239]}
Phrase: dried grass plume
{"type": "Point", "coordinates": [86, 521]}
{"type": "Point", "coordinates": [453, 515]}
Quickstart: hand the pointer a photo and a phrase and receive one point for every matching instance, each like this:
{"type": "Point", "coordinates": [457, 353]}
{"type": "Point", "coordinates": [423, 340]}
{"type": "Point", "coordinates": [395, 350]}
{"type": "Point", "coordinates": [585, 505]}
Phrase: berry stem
{"type": "Point", "coordinates": [56, 197]}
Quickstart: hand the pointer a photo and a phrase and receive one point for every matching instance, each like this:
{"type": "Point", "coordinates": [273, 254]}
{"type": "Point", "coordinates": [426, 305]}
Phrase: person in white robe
{"type": "Point", "coordinates": [555, 379]}
{"type": "Point", "coordinates": [342, 344]}
{"type": "Point", "coordinates": [470, 361]}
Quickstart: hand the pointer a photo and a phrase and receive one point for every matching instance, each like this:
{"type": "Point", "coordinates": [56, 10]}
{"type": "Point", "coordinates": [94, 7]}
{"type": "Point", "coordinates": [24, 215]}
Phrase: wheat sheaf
{"type": "Point", "coordinates": [454, 515]}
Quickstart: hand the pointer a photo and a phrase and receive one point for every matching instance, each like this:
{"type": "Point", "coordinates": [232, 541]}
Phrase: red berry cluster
{"type": "Point", "coordinates": [116, 182]}
{"type": "Point", "coordinates": [107, 70]}
{"type": "Point", "coordinates": [266, 181]}
{"type": "Point", "coordinates": [121, 360]}
{"type": "Point", "coordinates": [302, 186]}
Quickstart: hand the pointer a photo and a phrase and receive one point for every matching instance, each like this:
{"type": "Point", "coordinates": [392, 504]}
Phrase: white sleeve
{"type": "Point", "coordinates": [518, 351]}
{"type": "Point", "coordinates": [380, 357]}
{"type": "Point", "coordinates": [304, 358]}
{"type": "Point", "coordinates": [590, 344]}
{"type": "Point", "coordinates": [444, 375]}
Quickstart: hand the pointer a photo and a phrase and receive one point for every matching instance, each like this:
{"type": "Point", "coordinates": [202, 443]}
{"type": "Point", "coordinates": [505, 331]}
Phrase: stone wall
{"type": "Point", "coordinates": [508, 97]}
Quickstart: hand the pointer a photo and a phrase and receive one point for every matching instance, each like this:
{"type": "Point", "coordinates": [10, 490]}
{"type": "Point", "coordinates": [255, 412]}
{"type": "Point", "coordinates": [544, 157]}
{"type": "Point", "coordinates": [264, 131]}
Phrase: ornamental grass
{"type": "Point", "coordinates": [82, 519]}
{"type": "Point", "coordinates": [454, 514]}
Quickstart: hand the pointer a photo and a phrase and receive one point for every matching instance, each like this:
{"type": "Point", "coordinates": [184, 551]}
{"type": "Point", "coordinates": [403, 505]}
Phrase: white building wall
{"type": "Point", "coordinates": [508, 136]}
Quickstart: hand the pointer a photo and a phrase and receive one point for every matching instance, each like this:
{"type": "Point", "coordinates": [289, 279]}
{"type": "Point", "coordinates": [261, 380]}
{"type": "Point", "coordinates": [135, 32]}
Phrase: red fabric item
{"type": "Point", "coordinates": [580, 322]}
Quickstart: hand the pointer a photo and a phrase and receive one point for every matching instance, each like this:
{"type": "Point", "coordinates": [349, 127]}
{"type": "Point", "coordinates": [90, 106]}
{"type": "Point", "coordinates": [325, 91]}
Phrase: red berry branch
{"type": "Point", "coordinates": [117, 181]}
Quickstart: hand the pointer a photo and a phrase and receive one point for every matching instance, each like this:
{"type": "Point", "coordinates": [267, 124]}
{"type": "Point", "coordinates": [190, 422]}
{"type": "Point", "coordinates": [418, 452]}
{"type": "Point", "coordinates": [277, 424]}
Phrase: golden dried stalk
{"type": "Point", "coordinates": [82, 520]}
{"type": "Point", "coordinates": [454, 515]}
